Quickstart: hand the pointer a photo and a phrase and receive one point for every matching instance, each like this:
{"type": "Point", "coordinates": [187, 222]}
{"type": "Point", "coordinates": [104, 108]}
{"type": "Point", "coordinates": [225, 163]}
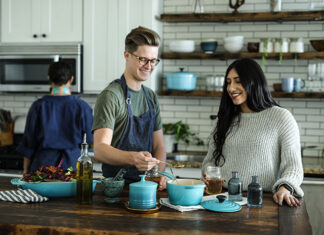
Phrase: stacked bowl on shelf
{"type": "Point", "coordinates": [182, 46]}
{"type": "Point", "coordinates": [233, 44]}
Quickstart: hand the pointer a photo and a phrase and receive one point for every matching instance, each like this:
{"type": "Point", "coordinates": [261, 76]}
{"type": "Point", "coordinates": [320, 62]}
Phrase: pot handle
{"type": "Point", "coordinates": [167, 174]}
{"type": "Point", "coordinates": [16, 181]}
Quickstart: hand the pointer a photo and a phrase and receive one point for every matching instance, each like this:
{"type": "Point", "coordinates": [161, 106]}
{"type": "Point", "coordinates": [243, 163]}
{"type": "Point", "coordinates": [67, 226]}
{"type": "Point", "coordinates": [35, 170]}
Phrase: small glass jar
{"type": "Point", "coordinates": [255, 193]}
{"type": "Point", "coordinates": [153, 175]}
{"type": "Point", "coordinates": [214, 182]}
{"type": "Point", "coordinates": [235, 188]}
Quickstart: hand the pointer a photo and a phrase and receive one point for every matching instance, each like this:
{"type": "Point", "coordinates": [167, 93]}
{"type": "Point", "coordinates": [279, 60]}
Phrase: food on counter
{"type": "Point", "coordinates": [189, 164]}
{"type": "Point", "coordinates": [314, 171]}
{"type": "Point", "coordinates": [51, 173]}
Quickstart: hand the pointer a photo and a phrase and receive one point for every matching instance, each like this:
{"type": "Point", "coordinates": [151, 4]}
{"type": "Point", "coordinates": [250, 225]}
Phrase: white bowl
{"type": "Point", "coordinates": [182, 46]}
{"type": "Point", "coordinates": [233, 47]}
{"type": "Point", "coordinates": [234, 39]}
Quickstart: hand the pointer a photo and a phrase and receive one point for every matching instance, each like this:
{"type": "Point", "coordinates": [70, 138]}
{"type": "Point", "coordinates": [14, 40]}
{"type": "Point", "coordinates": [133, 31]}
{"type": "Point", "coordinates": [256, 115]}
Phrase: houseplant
{"type": "Point", "coordinates": [179, 131]}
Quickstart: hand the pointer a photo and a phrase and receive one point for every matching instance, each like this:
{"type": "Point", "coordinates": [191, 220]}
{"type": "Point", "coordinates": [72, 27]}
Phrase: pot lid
{"type": "Point", "coordinates": [181, 72]}
{"type": "Point", "coordinates": [226, 206]}
{"type": "Point", "coordinates": [143, 183]}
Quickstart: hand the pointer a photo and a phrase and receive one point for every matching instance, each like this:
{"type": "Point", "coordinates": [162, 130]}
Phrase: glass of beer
{"type": "Point", "coordinates": [214, 181]}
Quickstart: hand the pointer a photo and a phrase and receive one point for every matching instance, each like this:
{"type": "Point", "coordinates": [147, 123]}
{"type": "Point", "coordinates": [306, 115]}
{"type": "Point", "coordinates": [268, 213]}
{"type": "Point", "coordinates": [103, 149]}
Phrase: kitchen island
{"type": "Point", "coordinates": [65, 216]}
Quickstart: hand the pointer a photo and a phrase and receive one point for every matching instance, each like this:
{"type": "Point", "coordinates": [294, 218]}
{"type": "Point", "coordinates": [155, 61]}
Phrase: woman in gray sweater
{"type": "Point", "coordinates": [254, 136]}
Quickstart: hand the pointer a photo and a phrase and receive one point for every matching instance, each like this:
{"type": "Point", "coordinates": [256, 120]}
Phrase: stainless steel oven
{"type": "Point", "coordinates": [23, 68]}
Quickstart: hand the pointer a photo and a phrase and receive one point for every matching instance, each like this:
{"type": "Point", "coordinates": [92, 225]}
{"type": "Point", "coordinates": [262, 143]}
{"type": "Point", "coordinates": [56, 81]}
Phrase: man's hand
{"type": "Point", "coordinates": [144, 161]}
{"type": "Point", "coordinates": [284, 194]}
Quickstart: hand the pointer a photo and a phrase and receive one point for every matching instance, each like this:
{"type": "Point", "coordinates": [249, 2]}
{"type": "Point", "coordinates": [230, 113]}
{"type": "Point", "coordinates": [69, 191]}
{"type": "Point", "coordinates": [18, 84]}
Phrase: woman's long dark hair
{"type": "Point", "coordinates": [259, 98]}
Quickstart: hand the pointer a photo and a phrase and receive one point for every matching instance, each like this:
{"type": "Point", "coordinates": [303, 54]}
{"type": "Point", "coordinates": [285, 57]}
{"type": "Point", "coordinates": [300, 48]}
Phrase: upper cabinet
{"type": "Point", "coordinates": [41, 21]}
{"type": "Point", "coordinates": [106, 24]}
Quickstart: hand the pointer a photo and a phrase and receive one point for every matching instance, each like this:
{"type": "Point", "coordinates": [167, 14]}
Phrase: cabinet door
{"type": "Point", "coordinates": [106, 24]}
{"type": "Point", "coordinates": [41, 21]}
{"type": "Point", "coordinates": [61, 20]}
{"type": "Point", "coordinates": [19, 20]}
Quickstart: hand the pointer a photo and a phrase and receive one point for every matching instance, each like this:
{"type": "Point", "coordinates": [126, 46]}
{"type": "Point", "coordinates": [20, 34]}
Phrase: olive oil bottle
{"type": "Point", "coordinates": [84, 175]}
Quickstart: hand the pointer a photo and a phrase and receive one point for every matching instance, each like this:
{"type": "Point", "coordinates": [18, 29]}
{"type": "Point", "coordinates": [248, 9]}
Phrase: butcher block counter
{"type": "Point", "coordinates": [65, 216]}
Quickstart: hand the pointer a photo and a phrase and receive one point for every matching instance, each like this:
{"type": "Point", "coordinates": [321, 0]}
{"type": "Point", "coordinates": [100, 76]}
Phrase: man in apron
{"type": "Point", "coordinates": [127, 124]}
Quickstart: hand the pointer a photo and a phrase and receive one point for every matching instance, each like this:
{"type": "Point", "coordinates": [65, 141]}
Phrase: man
{"type": "Point", "coordinates": [127, 124]}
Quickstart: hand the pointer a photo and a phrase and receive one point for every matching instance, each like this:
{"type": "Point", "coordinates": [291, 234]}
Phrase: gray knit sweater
{"type": "Point", "coordinates": [266, 144]}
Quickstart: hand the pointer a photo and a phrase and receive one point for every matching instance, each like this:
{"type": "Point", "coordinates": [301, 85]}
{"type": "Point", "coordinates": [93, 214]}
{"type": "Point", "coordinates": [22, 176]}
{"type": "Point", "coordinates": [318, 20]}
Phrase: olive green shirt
{"type": "Point", "coordinates": [111, 109]}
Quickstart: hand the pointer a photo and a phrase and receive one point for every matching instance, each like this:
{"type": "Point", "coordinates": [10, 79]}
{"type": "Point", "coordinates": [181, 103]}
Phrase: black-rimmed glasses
{"type": "Point", "coordinates": [143, 60]}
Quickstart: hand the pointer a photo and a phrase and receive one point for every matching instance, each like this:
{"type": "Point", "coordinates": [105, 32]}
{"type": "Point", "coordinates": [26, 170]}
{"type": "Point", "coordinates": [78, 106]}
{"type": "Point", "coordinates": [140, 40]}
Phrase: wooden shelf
{"type": "Point", "coordinates": [245, 17]}
{"type": "Point", "coordinates": [255, 55]}
{"type": "Point", "coordinates": [202, 93]}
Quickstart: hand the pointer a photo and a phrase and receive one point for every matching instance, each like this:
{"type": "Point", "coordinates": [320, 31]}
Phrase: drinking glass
{"type": "Point", "coordinates": [214, 180]}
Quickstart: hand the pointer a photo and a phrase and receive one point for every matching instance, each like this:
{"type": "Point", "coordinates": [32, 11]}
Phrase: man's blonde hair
{"type": "Point", "coordinates": [141, 36]}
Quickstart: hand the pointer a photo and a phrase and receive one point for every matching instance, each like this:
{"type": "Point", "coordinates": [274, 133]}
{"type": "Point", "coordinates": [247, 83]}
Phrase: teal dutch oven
{"type": "Point", "coordinates": [184, 192]}
{"type": "Point", "coordinates": [184, 81]}
{"type": "Point", "coordinates": [142, 194]}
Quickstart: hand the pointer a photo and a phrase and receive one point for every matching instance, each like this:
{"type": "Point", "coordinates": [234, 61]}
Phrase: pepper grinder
{"type": "Point", "coordinates": [235, 188]}
{"type": "Point", "coordinates": [255, 193]}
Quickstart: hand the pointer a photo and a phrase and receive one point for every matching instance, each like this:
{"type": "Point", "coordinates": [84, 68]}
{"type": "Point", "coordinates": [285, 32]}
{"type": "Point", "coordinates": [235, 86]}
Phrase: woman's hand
{"type": "Point", "coordinates": [284, 194]}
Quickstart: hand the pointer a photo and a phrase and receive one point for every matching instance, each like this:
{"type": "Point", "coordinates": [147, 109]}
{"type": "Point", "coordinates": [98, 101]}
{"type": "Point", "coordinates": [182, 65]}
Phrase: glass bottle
{"type": "Point", "coordinates": [84, 175]}
{"type": "Point", "coordinates": [235, 188]}
{"type": "Point", "coordinates": [255, 193]}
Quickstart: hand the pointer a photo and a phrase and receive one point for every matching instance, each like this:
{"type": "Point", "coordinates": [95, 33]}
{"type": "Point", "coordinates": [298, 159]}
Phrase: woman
{"type": "Point", "coordinates": [255, 136]}
{"type": "Point", "coordinates": [55, 124]}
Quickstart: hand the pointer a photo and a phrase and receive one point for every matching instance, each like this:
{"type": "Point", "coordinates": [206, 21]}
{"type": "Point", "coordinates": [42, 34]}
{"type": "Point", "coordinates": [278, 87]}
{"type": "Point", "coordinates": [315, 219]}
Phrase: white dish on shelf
{"type": "Point", "coordinates": [182, 46]}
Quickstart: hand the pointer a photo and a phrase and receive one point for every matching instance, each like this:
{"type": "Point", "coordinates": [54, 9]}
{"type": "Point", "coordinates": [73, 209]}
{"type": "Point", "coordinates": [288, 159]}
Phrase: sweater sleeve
{"type": "Point", "coordinates": [208, 160]}
{"type": "Point", "coordinates": [291, 169]}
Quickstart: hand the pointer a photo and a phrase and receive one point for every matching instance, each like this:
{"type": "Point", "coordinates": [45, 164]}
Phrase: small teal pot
{"type": "Point", "coordinates": [142, 194]}
{"type": "Point", "coordinates": [184, 192]}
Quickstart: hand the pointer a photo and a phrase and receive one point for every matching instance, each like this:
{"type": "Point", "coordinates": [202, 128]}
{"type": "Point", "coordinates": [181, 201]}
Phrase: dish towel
{"type": "Point", "coordinates": [166, 202]}
{"type": "Point", "coordinates": [21, 195]}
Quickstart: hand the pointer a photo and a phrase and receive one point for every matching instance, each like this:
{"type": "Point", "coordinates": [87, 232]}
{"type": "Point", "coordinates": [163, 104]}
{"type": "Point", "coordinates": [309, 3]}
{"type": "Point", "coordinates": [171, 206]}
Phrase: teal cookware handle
{"type": "Point", "coordinates": [167, 174]}
{"type": "Point", "coordinates": [17, 182]}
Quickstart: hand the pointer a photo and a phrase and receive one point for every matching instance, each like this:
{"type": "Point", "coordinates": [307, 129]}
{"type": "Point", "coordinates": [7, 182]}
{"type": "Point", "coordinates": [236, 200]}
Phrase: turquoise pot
{"type": "Point", "coordinates": [142, 194]}
{"type": "Point", "coordinates": [184, 192]}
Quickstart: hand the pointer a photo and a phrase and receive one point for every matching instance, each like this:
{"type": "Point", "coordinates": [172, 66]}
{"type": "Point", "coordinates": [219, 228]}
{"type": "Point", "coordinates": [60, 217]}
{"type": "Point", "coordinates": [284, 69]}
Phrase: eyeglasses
{"type": "Point", "coordinates": [143, 60]}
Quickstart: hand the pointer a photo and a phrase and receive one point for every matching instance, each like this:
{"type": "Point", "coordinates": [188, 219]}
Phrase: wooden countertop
{"type": "Point", "coordinates": [65, 216]}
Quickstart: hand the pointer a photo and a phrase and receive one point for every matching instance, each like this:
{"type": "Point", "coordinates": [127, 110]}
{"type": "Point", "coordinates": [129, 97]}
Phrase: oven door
{"type": "Point", "coordinates": [30, 73]}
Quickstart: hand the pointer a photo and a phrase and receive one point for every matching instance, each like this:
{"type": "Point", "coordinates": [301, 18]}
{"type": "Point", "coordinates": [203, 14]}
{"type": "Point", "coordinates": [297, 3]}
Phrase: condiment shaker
{"type": "Point", "coordinates": [235, 188]}
{"type": "Point", "coordinates": [255, 193]}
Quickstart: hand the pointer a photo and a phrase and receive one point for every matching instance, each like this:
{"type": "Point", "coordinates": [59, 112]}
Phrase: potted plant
{"type": "Point", "coordinates": [179, 131]}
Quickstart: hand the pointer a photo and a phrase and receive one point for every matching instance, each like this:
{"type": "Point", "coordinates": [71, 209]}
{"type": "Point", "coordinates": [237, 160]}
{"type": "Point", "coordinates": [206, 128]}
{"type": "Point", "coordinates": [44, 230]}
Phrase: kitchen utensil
{"type": "Point", "coordinates": [182, 46]}
{"type": "Point", "coordinates": [168, 175]}
{"type": "Point", "coordinates": [185, 81]}
{"type": "Point", "coordinates": [318, 45]}
{"type": "Point", "coordinates": [119, 176]}
{"type": "Point", "coordinates": [174, 166]}
{"type": "Point", "coordinates": [113, 188]}
{"type": "Point", "coordinates": [299, 84]}
{"type": "Point", "coordinates": [142, 194]}
{"type": "Point", "coordinates": [209, 46]}
{"type": "Point", "coordinates": [51, 189]}
{"type": "Point", "coordinates": [218, 206]}
{"type": "Point", "coordinates": [187, 192]}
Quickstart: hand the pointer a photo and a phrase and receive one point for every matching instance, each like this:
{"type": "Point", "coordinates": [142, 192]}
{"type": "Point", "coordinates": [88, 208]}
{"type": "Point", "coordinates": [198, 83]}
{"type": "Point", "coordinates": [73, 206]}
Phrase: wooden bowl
{"type": "Point", "coordinates": [277, 86]}
{"type": "Point", "coordinates": [318, 45]}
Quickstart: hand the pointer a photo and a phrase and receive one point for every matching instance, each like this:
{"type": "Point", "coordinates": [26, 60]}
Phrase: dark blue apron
{"type": "Point", "coordinates": [137, 136]}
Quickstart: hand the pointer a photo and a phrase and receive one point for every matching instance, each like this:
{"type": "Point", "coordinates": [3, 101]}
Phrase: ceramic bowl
{"type": "Point", "coordinates": [182, 46]}
{"type": "Point", "coordinates": [253, 46]}
{"type": "Point", "coordinates": [318, 45]}
{"type": "Point", "coordinates": [234, 40]}
{"type": "Point", "coordinates": [233, 47]}
{"type": "Point", "coordinates": [112, 188]}
{"type": "Point", "coordinates": [209, 46]}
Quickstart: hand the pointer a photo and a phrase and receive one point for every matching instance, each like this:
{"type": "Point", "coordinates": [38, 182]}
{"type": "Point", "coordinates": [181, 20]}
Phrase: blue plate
{"type": "Point", "coordinates": [226, 206]}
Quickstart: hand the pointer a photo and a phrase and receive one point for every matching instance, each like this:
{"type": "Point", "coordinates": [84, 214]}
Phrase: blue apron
{"type": "Point", "coordinates": [137, 136]}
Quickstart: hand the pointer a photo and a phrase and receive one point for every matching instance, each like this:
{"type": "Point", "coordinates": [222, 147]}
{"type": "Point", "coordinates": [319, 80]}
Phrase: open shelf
{"type": "Point", "coordinates": [202, 93]}
{"type": "Point", "coordinates": [244, 17]}
{"type": "Point", "coordinates": [255, 55]}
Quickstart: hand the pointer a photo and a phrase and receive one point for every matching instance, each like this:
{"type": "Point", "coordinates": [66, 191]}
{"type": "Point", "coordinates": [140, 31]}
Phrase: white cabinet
{"type": "Point", "coordinates": [41, 21]}
{"type": "Point", "coordinates": [106, 24]}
